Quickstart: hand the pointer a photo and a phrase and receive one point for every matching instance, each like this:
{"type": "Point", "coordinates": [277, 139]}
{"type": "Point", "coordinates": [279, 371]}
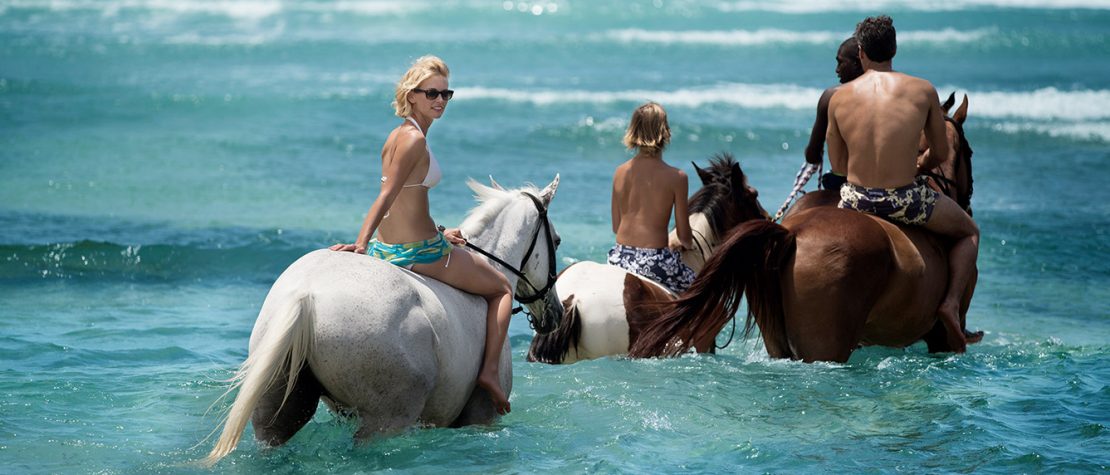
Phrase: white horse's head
{"type": "Point", "coordinates": [513, 226]}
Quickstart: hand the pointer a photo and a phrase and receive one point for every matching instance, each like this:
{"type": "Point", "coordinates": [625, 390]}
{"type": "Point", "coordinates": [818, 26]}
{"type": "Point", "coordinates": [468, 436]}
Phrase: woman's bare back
{"type": "Point", "coordinates": [645, 190]}
{"type": "Point", "coordinates": [409, 218]}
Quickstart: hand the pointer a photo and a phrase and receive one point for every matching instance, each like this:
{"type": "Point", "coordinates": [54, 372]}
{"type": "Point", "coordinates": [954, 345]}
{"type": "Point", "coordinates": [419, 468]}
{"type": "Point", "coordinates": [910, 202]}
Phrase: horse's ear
{"type": "Point", "coordinates": [702, 174]}
{"type": "Point", "coordinates": [736, 175]}
{"type": "Point", "coordinates": [495, 184]}
{"type": "Point", "coordinates": [948, 103]}
{"type": "Point", "coordinates": [549, 191]}
{"type": "Point", "coordinates": [961, 112]}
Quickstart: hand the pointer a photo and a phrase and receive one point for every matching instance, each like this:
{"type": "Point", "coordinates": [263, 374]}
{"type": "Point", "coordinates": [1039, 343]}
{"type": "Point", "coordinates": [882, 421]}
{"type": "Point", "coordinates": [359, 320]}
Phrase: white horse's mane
{"type": "Point", "coordinates": [490, 202]}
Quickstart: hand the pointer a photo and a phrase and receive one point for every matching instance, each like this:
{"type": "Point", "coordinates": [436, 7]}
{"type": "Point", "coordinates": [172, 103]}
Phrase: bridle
{"type": "Point", "coordinates": [961, 160]}
{"type": "Point", "coordinates": [538, 293]}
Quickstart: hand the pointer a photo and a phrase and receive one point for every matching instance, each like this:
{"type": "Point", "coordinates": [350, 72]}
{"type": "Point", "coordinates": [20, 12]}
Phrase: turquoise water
{"type": "Point", "coordinates": [162, 162]}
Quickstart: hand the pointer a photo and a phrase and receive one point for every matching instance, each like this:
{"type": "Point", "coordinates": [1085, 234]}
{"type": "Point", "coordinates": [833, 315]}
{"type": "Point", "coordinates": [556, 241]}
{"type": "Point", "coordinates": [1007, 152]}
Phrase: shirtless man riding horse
{"type": "Point", "coordinates": [874, 133]}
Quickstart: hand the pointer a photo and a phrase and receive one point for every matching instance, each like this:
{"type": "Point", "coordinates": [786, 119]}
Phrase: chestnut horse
{"type": "Point", "coordinates": [823, 283]}
{"type": "Point", "coordinates": [605, 307]}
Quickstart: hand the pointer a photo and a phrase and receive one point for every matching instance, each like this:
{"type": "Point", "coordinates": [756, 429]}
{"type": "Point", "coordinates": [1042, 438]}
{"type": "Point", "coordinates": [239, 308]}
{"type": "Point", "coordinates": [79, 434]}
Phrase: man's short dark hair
{"type": "Point", "coordinates": [851, 42]}
{"type": "Point", "coordinates": [876, 38]}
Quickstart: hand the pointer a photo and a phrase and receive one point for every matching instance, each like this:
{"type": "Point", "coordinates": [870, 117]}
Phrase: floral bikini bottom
{"type": "Point", "coordinates": [408, 253]}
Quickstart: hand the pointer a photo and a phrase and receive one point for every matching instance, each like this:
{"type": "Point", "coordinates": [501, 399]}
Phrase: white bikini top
{"type": "Point", "coordinates": [434, 173]}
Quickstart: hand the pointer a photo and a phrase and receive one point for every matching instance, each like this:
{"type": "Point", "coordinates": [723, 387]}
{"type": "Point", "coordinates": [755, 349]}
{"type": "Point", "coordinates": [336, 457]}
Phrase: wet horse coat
{"type": "Point", "coordinates": [606, 306]}
{"type": "Point", "coordinates": [821, 284]}
{"type": "Point", "coordinates": [380, 342]}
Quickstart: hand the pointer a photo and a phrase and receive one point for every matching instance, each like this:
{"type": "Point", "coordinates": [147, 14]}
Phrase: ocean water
{"type": "Point", "coordinates": [162, 162]}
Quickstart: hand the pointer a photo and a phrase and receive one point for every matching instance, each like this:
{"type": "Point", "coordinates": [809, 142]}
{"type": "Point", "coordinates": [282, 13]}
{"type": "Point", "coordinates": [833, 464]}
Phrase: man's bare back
{"type": "Point", "coordinates": [645, 190]}
{"type": "Point", "coordinates": [878, 119]}
{"type": "Point", "coordinates": [875, 126]}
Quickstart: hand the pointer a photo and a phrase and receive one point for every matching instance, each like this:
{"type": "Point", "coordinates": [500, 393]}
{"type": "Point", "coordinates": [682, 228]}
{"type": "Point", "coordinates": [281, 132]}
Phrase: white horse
{"type": "Point", "coordinates": [605, 306]}
{"type": "Point", "coordinates": [377, 341]}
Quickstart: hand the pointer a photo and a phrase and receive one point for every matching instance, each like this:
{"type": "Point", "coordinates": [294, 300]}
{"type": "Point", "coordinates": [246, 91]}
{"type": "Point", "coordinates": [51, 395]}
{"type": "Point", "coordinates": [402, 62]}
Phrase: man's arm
{"type": "Point", "coordinates": [935, 133]}
{"type": "Point", "coordinates": [838, 148]}
{"type": "Point", "coordinates": [815, 149]}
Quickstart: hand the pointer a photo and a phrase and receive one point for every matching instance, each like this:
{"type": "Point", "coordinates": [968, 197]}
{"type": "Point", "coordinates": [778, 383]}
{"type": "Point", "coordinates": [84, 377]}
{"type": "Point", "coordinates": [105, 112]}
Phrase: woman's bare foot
{"type": "Point", "coordinates": [492, 384]}
{"type": "Point", "coordinates": [949, 317]}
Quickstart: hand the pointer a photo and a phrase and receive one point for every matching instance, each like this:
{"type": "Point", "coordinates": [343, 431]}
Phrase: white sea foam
{"type": "Point", "coordinates": [777, 36]}
{"type": "Point", "coordinates": [755, 96]}
{"type": "Point", "coordinates": [236, 9]}
{"type": "Point", "coordinates": [810, 6]}
{"type": "Point", "coordinates": [1041, 104]}
{"type": "Point", "coordinates": [1082, 114]}
{"type": "Point", "coordinates": [246, 9]}
{"type": "Point", "coordinates": [1080, 130]}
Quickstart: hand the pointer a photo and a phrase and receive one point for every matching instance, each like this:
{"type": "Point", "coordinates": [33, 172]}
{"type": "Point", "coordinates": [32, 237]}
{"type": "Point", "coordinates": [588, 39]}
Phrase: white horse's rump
{"type": "Point", "coordinates": [598, 320]}
{"type": "Point", "coordinates": [389, 345]}
{"type": "Point", "coordinates": [597, 295]}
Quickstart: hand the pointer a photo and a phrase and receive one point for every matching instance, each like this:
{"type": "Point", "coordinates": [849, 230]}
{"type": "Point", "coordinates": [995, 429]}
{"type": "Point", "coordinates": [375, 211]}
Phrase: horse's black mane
{"type": "Point", "coordinates": [712, 198]}
{"type": "Point", "coordinates": [965, 152]}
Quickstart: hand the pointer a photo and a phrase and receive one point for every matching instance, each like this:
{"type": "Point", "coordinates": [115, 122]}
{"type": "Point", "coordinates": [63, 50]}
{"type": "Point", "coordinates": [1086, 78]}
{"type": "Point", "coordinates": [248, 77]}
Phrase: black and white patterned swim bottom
{"type": "Point", "coordinates": [661, 265]}
{"type": "Point", "coordinates": [911, 204]}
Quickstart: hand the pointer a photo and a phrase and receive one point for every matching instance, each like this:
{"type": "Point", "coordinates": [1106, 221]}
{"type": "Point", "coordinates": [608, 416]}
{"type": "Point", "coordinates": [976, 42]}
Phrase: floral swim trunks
{"type": "Point", "coordinates": [664, 266]}
{"type": "Point", "coordinates": [911, 204]}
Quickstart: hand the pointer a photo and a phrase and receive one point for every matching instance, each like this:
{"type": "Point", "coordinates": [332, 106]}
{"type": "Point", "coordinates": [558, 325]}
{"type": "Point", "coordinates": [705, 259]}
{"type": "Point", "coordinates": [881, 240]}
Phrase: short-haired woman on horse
{"type": "Point", "coordinates": [407, 235]}
{"type": "Point", "coordinates": [645, 190]}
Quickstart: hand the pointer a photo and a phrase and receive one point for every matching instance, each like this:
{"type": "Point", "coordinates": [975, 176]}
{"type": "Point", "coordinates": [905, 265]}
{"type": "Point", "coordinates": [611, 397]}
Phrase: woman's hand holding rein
{"type": "Point", "coordinates": [454, 236]}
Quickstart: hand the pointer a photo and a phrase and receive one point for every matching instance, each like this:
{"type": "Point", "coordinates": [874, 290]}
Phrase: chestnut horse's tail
{"type": "Point", "coordinates": [750, 261]}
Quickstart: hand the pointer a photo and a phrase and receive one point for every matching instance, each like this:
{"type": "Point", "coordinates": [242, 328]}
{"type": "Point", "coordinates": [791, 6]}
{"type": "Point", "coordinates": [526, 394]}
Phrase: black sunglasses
{"type": "Point", "coordinates": [432, 94]}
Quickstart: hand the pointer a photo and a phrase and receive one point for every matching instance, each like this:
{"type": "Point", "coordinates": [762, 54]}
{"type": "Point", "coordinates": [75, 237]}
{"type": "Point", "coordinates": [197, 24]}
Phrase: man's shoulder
{"type": "Point", "coordinates": [916, 83]}
{"type": "Point", "coordinates": [836, 94]}
{"type": "Point", "coordinates": [826, 96]}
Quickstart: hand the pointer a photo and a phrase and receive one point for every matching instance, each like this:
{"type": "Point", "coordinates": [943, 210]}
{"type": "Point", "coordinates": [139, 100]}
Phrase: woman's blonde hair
{"type": "Point", "coordinates": [648, 128]}
{"type": "Point", "coordinates": [423, 68]}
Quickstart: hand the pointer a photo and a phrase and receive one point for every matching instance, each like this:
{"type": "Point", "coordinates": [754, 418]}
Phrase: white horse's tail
{"type": "Point", "coordinates": [286, 344]}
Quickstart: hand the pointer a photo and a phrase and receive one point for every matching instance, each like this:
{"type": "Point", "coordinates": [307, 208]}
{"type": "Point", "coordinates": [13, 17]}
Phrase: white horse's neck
{"type": "Point", "coordinates": [705, 240]}
{"type": "Point", "coordinates": [503, 226]}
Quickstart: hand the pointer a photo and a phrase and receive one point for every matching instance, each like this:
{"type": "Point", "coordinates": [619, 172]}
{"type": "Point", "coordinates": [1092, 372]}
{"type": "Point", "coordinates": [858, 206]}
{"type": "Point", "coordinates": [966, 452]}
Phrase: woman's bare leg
{"type": "Point", "coordinates": [476, 276]}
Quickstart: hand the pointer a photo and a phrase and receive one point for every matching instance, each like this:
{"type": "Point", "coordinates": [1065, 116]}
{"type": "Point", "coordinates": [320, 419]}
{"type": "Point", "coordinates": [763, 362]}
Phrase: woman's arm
{"type": "Point", "coordinates": [616, 207]}
{"type": "Point", "coordinates": [409, 151]}
{"type": "Point", "coordinates": [682, 211]}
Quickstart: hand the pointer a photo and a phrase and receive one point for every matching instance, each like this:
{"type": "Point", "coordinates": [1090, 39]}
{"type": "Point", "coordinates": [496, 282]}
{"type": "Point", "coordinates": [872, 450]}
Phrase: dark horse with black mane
{"type": "Point", "coordinates": [824, 282]}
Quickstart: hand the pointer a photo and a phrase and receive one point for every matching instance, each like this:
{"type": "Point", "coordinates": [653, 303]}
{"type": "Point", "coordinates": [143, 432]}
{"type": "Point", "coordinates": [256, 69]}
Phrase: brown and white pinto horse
{"type": "Point", "coordinates": [605, 307]}
{"type": "Point", "coordinates": [823, 283]}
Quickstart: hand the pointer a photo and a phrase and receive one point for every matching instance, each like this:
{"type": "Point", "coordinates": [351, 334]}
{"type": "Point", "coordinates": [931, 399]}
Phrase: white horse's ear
{"type": "Point", "coordinates": [549, 192]}
{"type": "Point", "coordinates": [496, 185]}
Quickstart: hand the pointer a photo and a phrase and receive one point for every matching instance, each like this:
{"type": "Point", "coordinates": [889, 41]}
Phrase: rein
{"type": "Point", "coordinates": [804, 174]}
{"type": "Point", "coordinates": [539, 293]}
{"type": "Point", "coordinates": [961, 160]}
{"type": "Point", "coordinates": [944, 183]}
